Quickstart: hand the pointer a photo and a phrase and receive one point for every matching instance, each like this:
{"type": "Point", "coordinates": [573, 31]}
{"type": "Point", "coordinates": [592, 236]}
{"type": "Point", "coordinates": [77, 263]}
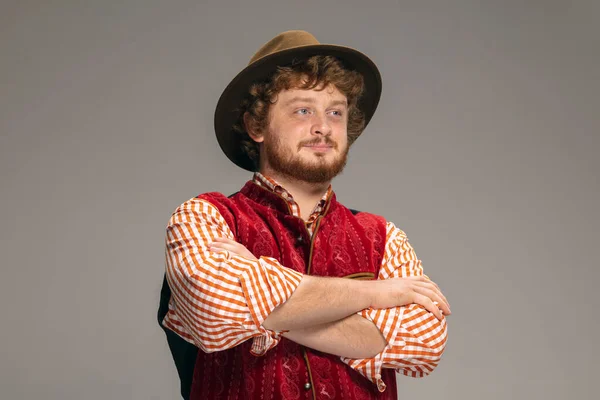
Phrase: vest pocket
{"type": "Point", "coordinates": [363, 276]}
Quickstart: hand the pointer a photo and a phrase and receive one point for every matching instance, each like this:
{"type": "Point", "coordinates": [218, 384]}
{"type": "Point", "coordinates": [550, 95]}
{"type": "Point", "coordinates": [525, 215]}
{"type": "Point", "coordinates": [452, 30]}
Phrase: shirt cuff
{"type": "Point", "coordinates": [389, 322]}
{"type": "Point", "coordinates": [266, 285]}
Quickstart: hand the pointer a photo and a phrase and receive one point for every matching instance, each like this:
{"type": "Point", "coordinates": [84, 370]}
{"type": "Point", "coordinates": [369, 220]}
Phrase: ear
{"type": "Point", "coordinates": [250, 126]}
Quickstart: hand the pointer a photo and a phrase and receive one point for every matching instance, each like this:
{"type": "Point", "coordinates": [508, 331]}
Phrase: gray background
{"type": "Point", "coordinates": [484, 150]}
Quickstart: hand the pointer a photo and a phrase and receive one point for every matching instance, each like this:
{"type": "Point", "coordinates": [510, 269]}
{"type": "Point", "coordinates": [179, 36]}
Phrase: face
{"type": "Point", "coordinates": [306, 138]}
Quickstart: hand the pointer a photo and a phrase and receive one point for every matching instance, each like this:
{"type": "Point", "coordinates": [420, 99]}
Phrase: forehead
{"type": "Point", "coordinates": [320, 94]}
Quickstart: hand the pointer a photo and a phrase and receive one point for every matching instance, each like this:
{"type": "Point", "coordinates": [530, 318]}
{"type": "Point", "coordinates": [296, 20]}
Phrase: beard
{"type": "Point", "coordinates": [284, 161]}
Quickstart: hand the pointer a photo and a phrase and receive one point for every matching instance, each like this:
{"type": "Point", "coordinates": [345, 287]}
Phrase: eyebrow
{"type": "Point", "coordinates": [311, 100]}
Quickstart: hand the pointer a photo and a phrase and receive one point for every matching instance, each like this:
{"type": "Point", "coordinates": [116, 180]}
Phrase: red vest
{"type": "Point", "coordinates": [342, 245]}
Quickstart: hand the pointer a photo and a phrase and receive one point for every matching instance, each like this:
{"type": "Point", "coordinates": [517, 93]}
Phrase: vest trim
{"type": "Point", "coordinates": [312, 243]}
{"type": "Point", "coordinates": [310, 378]}
{"type": "Point", "coordinates": [361, 276]}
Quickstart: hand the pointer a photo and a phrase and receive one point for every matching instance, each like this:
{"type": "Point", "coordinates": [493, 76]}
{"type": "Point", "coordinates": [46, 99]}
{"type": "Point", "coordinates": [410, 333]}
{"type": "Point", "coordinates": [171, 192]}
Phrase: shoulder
{"type": "Point", "coordinates": [203, 205]}
{"type": "Point", "coordinates": [361, 215]}
{"type": "Point", "coordinates": [392, 231]}
{"type": "Point", "coordinates": [373, 225]}
{"type": "Point", "coordinates": [208, 200]}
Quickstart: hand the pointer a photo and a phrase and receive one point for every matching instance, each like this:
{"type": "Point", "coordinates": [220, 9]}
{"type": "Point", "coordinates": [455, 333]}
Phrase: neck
{"type": "Point", "coordinates": [306, 194]}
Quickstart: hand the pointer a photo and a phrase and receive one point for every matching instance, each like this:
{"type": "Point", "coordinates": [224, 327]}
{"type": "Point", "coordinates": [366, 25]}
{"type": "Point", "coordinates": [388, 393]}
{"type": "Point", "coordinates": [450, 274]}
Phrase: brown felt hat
{"type": "Point", "coordinates": [283, 50]}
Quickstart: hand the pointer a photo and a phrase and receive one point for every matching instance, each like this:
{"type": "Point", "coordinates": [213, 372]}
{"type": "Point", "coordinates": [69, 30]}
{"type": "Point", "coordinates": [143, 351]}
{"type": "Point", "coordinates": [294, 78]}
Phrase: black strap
{"type": "Point", "coordinates": [184, 353]}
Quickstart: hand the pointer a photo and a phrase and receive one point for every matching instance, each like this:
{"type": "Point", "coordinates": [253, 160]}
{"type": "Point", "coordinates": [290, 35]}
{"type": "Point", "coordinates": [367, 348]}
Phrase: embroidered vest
{"type": "Point", "coordinates": [342, 245]}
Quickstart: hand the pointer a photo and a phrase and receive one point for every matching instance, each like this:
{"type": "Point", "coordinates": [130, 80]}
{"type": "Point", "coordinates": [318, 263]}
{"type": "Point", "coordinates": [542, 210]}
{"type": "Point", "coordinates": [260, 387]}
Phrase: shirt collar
{"type": "Point", "coordinates": [273, 186]}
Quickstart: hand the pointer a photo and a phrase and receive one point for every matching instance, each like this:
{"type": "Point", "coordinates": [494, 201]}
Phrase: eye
{"type": "Point", "coordinates": [337, 113]}
{"type": "Point", "coordinates": [302, 111]}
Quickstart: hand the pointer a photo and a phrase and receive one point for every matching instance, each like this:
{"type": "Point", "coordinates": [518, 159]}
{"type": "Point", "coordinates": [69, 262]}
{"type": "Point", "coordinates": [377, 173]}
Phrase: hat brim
{"type": "Point", "coordinates": [227, 112]}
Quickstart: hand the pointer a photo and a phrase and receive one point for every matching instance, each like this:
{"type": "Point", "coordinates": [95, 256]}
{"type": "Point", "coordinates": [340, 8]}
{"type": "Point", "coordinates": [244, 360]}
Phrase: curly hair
{"type": "Point", "coordinates": [305, 74]}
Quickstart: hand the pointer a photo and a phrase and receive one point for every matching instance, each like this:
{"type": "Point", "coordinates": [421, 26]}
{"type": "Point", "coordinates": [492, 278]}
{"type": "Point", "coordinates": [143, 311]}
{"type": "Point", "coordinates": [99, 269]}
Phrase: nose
{"type": "Point", "coordinates": [320, 125]}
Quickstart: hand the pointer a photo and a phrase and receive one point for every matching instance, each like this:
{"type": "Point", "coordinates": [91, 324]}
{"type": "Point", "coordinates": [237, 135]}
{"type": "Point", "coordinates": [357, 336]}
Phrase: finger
{"type": "Point", "coordinates": [223, 247]}
{"type": "Point", "coordinates": [436, 297]}
{"type": "Point", "coordinates": [442, 298]}
{"type": "Point", "coordinates": [217, 249]}
{"type": "Point", "coordinates": [422, 278]}
{"type": "Point", "coordinates": [435, 288]}
{"type": "Point", "coordinates": [430, 281]}
{"type": "Point", "coordinates": [234, 248]}
{"type": "Point", "coordinates": [424, 281]}
{"type": "Point", "coordinates": [232, 245]}
{"type": "Point", "coordinates": [223, 240]}
{"type": "Point", "coordinates": [428, 304]}
{"type": "Point", "coordinates": [418, 278]}
{"type": "Point", "coordinates": [433, 296]}
{"type": "Point", "coordinates": [219, 244]}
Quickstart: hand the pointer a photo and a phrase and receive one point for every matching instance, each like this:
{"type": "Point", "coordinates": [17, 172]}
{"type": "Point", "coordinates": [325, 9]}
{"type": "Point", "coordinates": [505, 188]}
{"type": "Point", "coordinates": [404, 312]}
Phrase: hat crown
{"type": "Point", "coordinates": [285, 41]}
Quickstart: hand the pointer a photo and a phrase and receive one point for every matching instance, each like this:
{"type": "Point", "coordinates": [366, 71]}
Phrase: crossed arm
{"type": "Point", "coordinates": [222, 297]}
{"type": "Point", "coordinates": [337, 329]}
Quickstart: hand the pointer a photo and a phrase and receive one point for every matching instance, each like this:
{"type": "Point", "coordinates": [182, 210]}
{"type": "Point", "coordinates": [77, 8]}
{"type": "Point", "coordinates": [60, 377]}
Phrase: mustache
{"type": "Point", "coordinates": [315, 142]}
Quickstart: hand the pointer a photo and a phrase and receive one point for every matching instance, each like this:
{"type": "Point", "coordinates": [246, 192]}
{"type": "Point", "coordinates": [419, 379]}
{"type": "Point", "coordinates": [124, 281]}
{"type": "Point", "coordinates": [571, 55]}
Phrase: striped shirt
{"type": "Point", "coordinates": [220, 300]}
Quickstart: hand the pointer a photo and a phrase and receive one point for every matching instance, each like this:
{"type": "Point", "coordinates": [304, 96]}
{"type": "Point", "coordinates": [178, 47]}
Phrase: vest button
{"type": "Point", "coordinates": [307, 386]}
{"type": "Point", "coordinates": [300, 239]}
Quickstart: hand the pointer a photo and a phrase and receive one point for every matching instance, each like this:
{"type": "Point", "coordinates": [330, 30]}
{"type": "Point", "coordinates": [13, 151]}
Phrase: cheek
{"type": "Point", "coordinates": [296, 132]}
{"type": "Point", "coordinates": [291, 128]}
{"type": "Point", "coordinates": [341, 131]}
{"type": "Point", "coordinates": [282, 139]}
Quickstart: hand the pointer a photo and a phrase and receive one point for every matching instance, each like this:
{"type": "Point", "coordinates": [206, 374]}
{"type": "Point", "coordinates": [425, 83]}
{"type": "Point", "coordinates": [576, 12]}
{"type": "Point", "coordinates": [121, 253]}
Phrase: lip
{"type": "Point", "coordinates": [320, 147]}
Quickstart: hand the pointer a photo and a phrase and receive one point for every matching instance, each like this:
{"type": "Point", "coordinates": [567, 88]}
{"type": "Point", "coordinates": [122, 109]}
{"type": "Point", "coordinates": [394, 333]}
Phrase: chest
{"type": "Point", "coordinates": [340, 245]}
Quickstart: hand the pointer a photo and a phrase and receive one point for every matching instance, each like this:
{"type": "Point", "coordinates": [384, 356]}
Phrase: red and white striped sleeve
{"type": "Point", "coordinates": [219, 300]}
{"type": "Point", "coordinates": [416, 338]}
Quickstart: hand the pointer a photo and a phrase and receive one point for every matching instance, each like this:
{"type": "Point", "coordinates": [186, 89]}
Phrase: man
{"type": "Point", "coordinates": [287, 293]}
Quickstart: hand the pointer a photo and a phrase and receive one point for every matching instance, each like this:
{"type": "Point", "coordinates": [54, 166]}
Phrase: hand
{"type": "Point", "coordinates": [238, 249]}
{"type": "Point", "coordinates": [415, 289]}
